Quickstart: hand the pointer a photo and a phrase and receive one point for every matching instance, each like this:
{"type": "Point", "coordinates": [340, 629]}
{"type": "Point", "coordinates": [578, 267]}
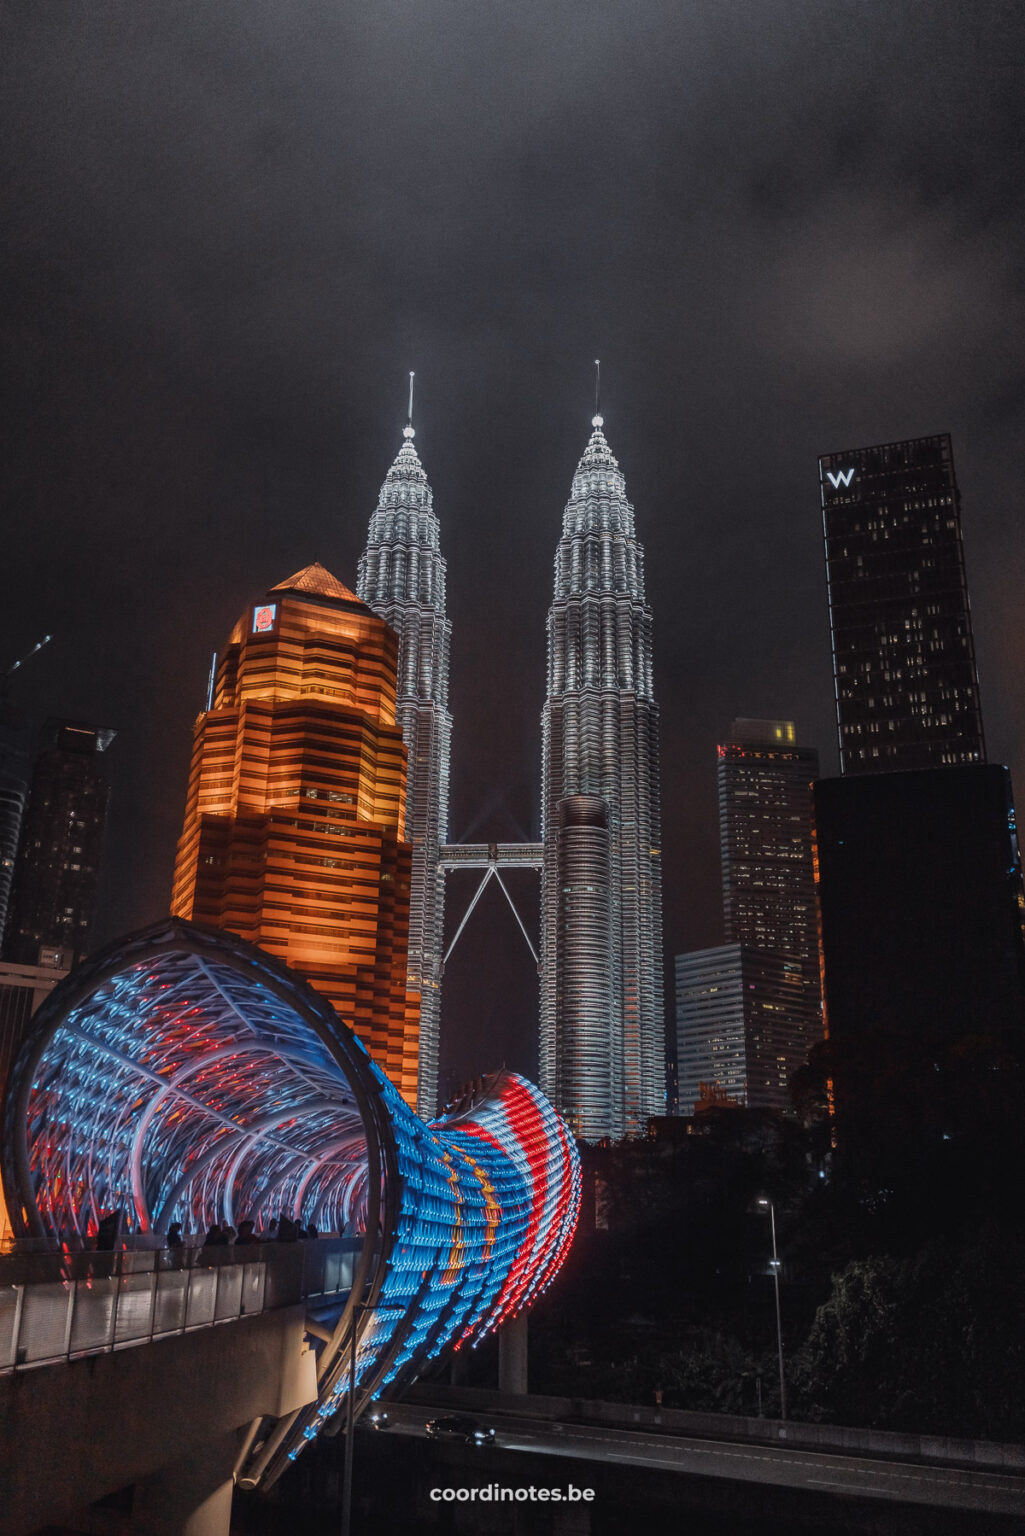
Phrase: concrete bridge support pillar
{"type": "Point", "coordinates": [191, 1498]}
{"type": "Point", "coordinates": [512, 1356]}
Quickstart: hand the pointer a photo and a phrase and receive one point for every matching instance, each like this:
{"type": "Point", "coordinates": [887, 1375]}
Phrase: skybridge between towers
{"type": "Point", "coordinates": [492, 858]}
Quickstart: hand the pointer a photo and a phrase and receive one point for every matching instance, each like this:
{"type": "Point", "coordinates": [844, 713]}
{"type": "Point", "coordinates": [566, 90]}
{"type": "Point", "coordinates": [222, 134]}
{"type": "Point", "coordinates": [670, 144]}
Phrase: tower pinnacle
{"type": "Point", "coordinates": [407, 430]}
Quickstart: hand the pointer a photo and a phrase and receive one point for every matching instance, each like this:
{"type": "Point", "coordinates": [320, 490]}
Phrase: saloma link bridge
{"type": "Point", "coordinates": [182, 1075]}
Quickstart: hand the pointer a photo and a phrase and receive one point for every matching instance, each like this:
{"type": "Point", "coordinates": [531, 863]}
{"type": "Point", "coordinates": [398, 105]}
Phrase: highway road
{"type": "Point", "coordinates": [846, 1475]}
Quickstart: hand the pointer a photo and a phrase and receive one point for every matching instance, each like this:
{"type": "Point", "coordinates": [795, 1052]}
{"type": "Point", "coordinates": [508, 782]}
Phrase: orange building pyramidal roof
{"type": "Point", "coordinates": [318, 581]}
{"type": "Point", "coordinates": [293, 830]}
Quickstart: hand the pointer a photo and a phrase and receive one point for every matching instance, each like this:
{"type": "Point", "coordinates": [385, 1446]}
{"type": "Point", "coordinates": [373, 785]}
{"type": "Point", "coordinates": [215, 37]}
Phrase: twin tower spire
{"type": "Point", "coordinates": [401, 576]}
{"type": "Point", "coordinates": [601, 1023]}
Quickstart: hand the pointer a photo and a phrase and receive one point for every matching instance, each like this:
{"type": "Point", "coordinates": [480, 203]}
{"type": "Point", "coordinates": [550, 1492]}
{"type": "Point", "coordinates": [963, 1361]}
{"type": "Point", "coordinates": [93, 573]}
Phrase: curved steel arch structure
{"type": "Point", "coordinates": [184, 1075]}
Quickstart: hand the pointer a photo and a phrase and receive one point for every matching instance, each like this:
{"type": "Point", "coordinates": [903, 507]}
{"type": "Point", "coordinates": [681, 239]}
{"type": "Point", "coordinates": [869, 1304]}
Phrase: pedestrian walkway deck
{"type": "Point", "coordinates": [62, 1306]}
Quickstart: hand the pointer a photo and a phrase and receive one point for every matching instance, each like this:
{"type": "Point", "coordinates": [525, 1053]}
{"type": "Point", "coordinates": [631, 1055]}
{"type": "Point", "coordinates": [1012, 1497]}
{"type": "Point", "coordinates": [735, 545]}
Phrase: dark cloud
{"type": "Point", "coordinates": [875, 280]}
{"type": "Point", "coordinates": [231, 230]}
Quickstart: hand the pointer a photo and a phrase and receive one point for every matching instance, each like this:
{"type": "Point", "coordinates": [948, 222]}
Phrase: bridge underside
{"type": "Point", "coordinates": [77, 1433]}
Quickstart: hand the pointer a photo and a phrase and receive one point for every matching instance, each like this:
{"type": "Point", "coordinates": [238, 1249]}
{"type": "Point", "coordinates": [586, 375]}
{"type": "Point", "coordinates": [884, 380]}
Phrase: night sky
{"type": "Point", "coordinates": [786, 228]}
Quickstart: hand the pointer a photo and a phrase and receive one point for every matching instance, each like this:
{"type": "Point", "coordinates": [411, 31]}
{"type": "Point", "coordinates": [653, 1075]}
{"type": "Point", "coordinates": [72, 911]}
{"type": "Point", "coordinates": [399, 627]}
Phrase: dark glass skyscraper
{"type": "Point", "coordinates": [921, 892]}
{"type": "Point", "coordinates": [55, 886]}
{"type": "Point", "coordinates": [765, 833]}
{"type": "Point", "coordinates": [924, 962]}
{"type": "Point", "coordinates": [15, 766]}
{"type": "Point", "coordinates": [907, 691]}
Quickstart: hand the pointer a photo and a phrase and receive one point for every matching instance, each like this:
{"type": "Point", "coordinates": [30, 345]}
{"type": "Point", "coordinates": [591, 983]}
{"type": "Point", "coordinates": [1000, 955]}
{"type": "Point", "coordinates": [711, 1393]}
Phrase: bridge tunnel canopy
{"type": "Point", "coordinates": [182, 1080]}
{"type": "Point", "coordinates": [184, 1075]}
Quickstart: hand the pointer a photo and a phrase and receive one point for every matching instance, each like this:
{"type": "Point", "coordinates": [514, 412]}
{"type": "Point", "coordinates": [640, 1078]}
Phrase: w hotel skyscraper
{"type": "Point", "coordinates": [918, 869]}
{"type": "Point", "coordinates": [907, 692]}
{"type": "Point", "coordinates": [602, 1027]}
{"type": "Point", "coordinates": [293, 826]}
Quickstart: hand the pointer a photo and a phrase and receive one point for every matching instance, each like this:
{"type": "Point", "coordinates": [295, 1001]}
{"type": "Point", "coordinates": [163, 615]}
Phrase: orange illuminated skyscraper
{"type": "Point", "coordinates": [296, 800]}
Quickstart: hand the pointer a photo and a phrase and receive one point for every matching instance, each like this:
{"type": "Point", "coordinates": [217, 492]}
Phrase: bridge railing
{"type": "Point", "coordinates": [60, 1306]}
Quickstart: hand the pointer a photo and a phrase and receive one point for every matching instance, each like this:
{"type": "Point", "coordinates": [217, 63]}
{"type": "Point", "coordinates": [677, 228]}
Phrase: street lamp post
{"type": "Point", "coordinates": [350, 1424]}
{"type": "Point", "coordinates": [779, 1316]}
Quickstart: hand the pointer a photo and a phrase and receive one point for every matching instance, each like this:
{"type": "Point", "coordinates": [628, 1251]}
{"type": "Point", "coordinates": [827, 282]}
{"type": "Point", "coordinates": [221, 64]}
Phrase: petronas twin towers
{"type": "Point", "coordinates": [402, 578]}
{"type": "Point", "coordinates": [601, 1028]}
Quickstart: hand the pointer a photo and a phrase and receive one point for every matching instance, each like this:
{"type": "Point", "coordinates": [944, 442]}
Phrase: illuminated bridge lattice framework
{"type": "Point", "coordinates": [183, 1075]}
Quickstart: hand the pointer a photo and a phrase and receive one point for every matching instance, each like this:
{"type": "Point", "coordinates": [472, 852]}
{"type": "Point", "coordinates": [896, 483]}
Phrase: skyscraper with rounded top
{"type": "Point", "coordinates": [401, 576]}
{"type": "Point", "coordinates": [293, 823]}
{"type": "Point", "coordinates": [602, 1026]}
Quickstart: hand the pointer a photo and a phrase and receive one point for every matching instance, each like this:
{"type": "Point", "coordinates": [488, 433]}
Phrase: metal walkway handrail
{"type": "Point", "coordinates": [58, 1306]}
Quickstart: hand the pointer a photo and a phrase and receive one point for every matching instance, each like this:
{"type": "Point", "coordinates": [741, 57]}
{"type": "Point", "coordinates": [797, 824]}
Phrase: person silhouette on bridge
{"type": "Point", "coordinates": [108, 1231]}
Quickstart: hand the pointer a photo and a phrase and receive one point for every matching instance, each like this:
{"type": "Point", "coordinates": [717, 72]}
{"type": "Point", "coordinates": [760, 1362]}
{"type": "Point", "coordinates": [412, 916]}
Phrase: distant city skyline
{"type": "Point", "coordinates": [232, 234]}
{"type": "Point", "coordinates": [229, 240]}
{"type": "Point", "coordinates": [432, 628]}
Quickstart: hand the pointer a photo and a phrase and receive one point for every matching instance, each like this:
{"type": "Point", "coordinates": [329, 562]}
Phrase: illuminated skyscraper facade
{"type": "Point", "coordinates": [602, 1026]}
{"type": "Point", "coordinates": [402, 578]}
{"type": "Point", "coordinates": [748, 1011]}
{"type": "Point", "coordinates": [907, 691]}
{"type": "Point", "coordinates": [765, 835]}
{"type": "Point", "coordinates": [58, 869]}
{"type": "Point", "coordinates": [293, 826]}
{"type": "Point", "coordinates": [744, 1021]}
{"type": "Point", "coordinates": [769, 903]}
{"type": "Point", "coordinates": [15, 764]}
